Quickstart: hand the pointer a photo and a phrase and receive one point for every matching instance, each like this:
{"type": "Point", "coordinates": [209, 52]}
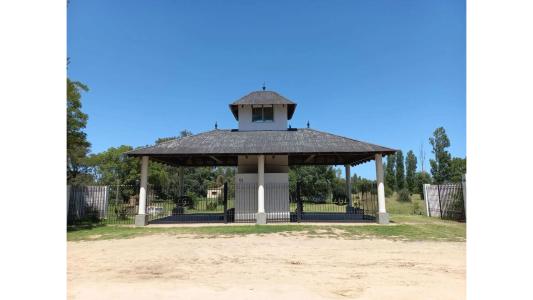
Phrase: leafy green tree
{"type": "Point", "coordinates": [441, 165]}
{"type": "Point", "coordinates": [182, 134]}
{"type": "Point", "coordinates": [338, 188]}
{"type": "Point", "coordinates": [421, 179]}
{"type": "Point", "coordinates": [457, 169]}
{"type": "Point", "coordinates": [317, 181]}
{"type": "Point", "coordinates": [354, 180]}
{"type": "Point", "coordinates": [400, 171]}
{"type": "Point", "coordinates": [77, 143]}
{"type": "Point", "coordinates": [390, 175]}
{"type": "Point", "coordinates": [112, 167]}
{"type": "Point", "coordinates": [410, 172]}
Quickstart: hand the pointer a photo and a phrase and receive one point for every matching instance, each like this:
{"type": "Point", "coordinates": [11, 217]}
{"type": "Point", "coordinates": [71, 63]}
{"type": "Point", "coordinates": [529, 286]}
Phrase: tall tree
{"type": "Point", "coordinates": [440, 166]}
{"type": "Point", "coordinates": [390, 175]}
{"type": "Point", "coordinates": [457, 169]}
{"type": "Point", "coordinates": [421, 179]}
{"type": "Point", "coordinates": [400, 170]}
{"type": "Point", "coordinates": [112, 167]}
{"type": "Point", "coordinates": [77, 144]}
{"type": "Point", "coordinates": [410, 172]}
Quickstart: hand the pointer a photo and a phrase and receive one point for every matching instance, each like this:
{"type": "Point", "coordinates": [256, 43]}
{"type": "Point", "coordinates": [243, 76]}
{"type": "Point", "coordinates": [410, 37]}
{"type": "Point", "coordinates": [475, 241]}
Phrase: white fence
{"type": "Point", "coordinates": [276, 202]}
{"type": "Point", "coordinates": [86, 201]}
{"type": "Point", "coordinates": [445, 201]}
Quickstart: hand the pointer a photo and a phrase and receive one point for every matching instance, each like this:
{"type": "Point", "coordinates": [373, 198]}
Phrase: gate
{"type": "Point", "coordinates": [277, 206]}
{"type": "Point", "coordinates": [445, 201]}
{"type": "Point", "coordinates": [167, 206]}
{"type": "Point", "coordinates": [305, 208]}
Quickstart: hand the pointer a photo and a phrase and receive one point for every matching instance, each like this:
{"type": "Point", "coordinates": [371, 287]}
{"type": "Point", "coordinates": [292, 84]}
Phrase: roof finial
{"type": "Point", "coordinates": [307, 124]}
{"type": "Point", "coordinates": [216, 125]}
{"type": "Point", "coordinates": [264, 87]}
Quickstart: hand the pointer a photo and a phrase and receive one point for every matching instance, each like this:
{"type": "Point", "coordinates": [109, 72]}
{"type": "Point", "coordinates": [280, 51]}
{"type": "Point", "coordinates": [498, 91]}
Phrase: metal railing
{"type": "Point", "coordinates": [119, 204]}
{"type": "Point", "coordinates": [324, 209]}
{"type": "Point", "coordinates": [277, 206]}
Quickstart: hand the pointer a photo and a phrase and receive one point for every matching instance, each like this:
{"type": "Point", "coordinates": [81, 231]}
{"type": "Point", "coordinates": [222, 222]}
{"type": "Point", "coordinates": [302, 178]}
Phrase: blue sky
{"type": "Point", "coordinates": [385, 72]}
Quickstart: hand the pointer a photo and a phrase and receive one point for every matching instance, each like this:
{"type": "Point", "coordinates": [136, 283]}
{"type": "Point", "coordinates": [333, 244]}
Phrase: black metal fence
{"type": "Point", "coordinates": [190, 208]}
{"type": "Point", "coordinates": [245, 205]}
{"type": "Point", "coordinates": [119, 204]}
{"type": "Point", "coordinates": [328, 209]}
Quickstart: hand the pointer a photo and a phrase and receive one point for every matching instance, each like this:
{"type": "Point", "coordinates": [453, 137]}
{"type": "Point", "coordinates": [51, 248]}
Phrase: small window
{"type": "Point", "coordinates": [257, 113]}
{"type": "Point", "coordinates": [268, 113]}
{"type": "Point", "coordinates": [262, 113]}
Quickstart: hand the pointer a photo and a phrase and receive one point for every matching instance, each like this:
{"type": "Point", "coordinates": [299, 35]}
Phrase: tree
{"type": "Point", "coordinates": [411, 171]}
{"type": "Point", "coordinates": [440, 166]}
{"type": "Point", "coordinates": [77, 144]}
{"type": "Point", "coordinates": [400, 169]}
{"type": "Point", "coordinates": [390, 176]}
{"type": "Point", "coordinates": [457, 169]}
{"type": "Point", "coordinates": [317, 181]}
{"type": "Point", "coordinates": [182, 134]}
{"type": "Point", "coordinates": [112, 167]}
{"type": "Point", "coordinates": [421, 179]}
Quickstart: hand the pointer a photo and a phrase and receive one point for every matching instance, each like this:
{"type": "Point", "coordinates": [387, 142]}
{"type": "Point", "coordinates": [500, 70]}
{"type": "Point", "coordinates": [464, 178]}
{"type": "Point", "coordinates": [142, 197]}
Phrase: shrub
{"type": "Point", "coordinates": [416, 208]}
{"type": "Point", "coordinates": [388, 191]}
{"type": "Point", "coordinates": [211, 205]}
{"type": "Point", "coordinates": [404, 196]}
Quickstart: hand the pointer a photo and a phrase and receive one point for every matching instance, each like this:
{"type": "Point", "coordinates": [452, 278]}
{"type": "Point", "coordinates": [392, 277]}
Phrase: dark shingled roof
{"type": "Point", "coordinates": [303, 146]}
{"type": "Point", "coordinates": [263, 97]}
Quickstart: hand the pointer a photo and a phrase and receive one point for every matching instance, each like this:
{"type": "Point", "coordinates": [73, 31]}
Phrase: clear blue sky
{"type": "Point", "coordinates": [385, 72]}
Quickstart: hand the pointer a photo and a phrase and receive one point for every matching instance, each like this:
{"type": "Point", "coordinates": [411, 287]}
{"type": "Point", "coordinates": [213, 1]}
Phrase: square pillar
{"type": "Point", "coordinates": [261, 215]}
{"type": "Point", "coordinates": [383, 216]}
{"type": "Point", "coordinates": [348, 187]}
{"type": "Point", "coordinates": [141, 219]}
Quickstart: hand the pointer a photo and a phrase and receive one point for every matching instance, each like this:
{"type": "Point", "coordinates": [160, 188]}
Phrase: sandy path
{"type": "Point", "coordinates": [273, 266]}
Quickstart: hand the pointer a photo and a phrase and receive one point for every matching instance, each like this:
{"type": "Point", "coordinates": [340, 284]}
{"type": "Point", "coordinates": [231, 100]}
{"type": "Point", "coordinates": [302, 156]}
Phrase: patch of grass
{"type": "Point", "coordinates": [405, 208]}
{"type": "Point", "coordinates": [410, 232]}
{"type": "Point", "coordinates": [403, 228]}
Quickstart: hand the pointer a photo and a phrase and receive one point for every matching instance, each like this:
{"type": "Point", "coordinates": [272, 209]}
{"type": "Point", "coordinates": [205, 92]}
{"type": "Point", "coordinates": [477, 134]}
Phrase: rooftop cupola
{"type": "Point", "coordinates": [263, 110]}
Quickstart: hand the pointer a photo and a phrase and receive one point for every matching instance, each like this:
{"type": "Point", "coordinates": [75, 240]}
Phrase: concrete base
{"type": "Point", "coordinates": [383, 218]}
{"type": "Point", "coordinates": [260, 218]}
{"type": "Point", "coordinates": [141, 220]}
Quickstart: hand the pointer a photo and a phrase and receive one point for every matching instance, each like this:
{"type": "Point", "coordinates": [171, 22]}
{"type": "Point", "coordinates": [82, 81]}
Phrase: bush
{"type": "Point", "coordinates": [404, 196]}
{"type": "Point", "coordinates": [388, 191]}
{"type": "Point", "coordinates": [416, 208]}
{"type": "Point", "coordinates": [211, 205]}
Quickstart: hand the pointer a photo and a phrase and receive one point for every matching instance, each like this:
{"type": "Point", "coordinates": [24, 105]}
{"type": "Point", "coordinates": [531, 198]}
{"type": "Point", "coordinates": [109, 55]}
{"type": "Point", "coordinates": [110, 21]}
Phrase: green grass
{"type": "Point", "coordinates": [405, 208]}
{"type": "Point", "coordinates": [403, 227]}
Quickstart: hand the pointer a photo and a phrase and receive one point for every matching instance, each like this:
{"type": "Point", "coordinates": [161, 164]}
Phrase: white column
{"type": "Point", "coordinates": [260, 183]}
{"type": "Point", "coordinates": [144, 185]}
{"type": "Point", "coordinates": [382, 211]}
{"type": "Point", "coordinates": [348, 185]}
{"type": "Point", "coordinates": [181, 175]}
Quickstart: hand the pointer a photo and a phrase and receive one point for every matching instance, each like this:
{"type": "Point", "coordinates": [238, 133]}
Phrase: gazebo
{"type": "Point", "coordinates": [263, 148]}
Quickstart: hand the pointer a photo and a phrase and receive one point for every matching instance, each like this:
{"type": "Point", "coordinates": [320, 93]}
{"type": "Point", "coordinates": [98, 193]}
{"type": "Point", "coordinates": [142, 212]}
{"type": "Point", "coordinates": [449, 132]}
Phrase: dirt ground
{"type": "Point", "coordinates": [271, 266]}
